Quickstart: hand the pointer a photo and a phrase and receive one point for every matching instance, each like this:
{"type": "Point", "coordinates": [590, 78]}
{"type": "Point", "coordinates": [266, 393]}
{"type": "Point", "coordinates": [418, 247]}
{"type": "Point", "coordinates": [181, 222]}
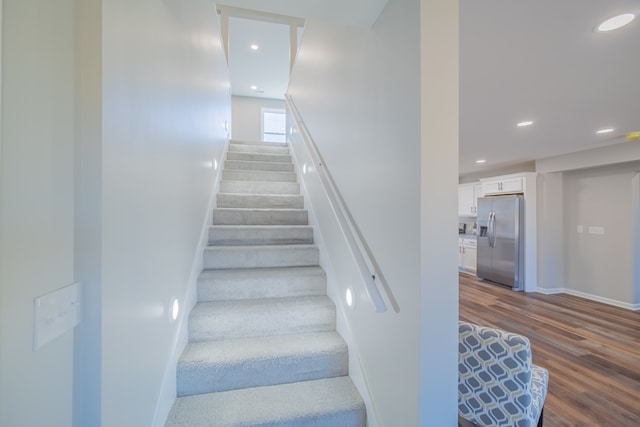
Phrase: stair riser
{"type": "Point", "coordinates": [255, 373]}
{"type": "Point", "coordinates": [259, 284]}
{"type": "Point", "coordinates": [256, 157]}
{"type": "Point", "coordinates": [259, 166]}
{"type": "Point", "coordinates": [267, 235]}
{"type": "Point", "coordinates": [240, 187]}
{"type": "Point", "coordinates": [252, 201]}
{"type": "Point", "coordinates": [260, 217]}
{"type": "Point", "coordinates": [233, 175]}
{"type": "Point", "coordinates": [257, 149]}
{"type": "Point", "coordinates": [276, 320]}
{"type": "Point", "coordinates": [260, 257]}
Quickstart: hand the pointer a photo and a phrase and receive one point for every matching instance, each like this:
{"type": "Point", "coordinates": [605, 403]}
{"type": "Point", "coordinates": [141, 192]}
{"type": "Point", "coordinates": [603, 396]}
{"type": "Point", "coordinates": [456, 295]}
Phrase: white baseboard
{"type": "Point", "coordinates": [550, 291]}
{"type": "Point", "coordinates": [597, 298]}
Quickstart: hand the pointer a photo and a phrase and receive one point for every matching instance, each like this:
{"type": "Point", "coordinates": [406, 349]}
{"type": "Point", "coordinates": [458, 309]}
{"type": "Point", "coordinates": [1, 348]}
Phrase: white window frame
{"type": "Point", "coordinates": [276, 111]}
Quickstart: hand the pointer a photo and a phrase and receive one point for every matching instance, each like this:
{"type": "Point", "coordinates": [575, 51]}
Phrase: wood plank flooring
{"type": "Point", "coordinates": [592, 350]}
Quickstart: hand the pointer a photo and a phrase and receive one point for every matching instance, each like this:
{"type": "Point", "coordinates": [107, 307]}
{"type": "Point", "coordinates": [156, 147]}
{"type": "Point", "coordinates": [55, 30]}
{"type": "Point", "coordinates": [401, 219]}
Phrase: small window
{"type": "Point", "coordinates": [274, 126]}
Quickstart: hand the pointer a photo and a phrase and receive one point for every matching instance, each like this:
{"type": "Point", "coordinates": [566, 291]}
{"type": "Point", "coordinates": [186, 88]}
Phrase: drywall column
{"type": "Point", "coordinates": [635, 237]}
{"type": "Point", "coordinates": [88, 212]}
{"type": "Point", "coordinates": [293, 43]}
{"type": "Point", "coordinates": [530, 232]}
{"type": "Point", "coordinates": [551, 233]}
{"type": "Point", "coordinates": [438, 213]}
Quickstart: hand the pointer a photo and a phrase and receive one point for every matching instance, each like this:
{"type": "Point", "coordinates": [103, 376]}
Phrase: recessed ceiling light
{"type": "Point", "coordinates": [480, 161]}
{"type": "Point", "coordinates": [254, 47]}
{"type": "Point", "coordinates": [526, 123]}
{"type": "Point", "coordinates": [616, 22]}
{"type": "Point", "coordinates": [254, 87]}
{"type": "Point", "coordinates": [607, 130]}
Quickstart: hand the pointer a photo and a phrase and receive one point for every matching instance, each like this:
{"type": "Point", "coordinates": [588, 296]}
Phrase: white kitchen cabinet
{"type": "Point", "coordinates": [507, 185]}
{"type": "Point", "coordinates": [468, 198]}
{"type": "Point", "coordinates": [467, 254]}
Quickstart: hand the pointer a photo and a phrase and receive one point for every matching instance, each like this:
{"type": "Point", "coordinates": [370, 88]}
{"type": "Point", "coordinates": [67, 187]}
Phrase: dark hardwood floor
{"type": "Point", "coordinates": [592, 350]}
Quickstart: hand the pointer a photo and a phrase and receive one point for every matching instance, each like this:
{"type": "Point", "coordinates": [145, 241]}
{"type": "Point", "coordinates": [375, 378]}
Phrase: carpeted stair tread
{"type": "Point", "coordinates": [259, 157]}
{"type": "Point", "coordinates": [258, 166]}
{"type": "Point", "coordinates": [213, 366]}
{"type": "Point", "coordinates": [256, 187]}
{"type": "Point", "coordinates": [228, 235]}
{"type": "Point", "coordinates": [217, 320]}
{"type": "Point", "coordinates": [260, 143]}
{"type": "Point", "coordinates": [259, 283]}
{"type": "Point", "coordinates": [258, 149]}
{"type": "Point", "coordinates": [260, 201]}
{"type": "Point", "coordinates": [260, 256]}
{"type": "Point", "coordinates": [318, 403]}
{"type": "Point", "coordinates": [240, 216]}
{"type": "Point", "coordinates": [260, 176]}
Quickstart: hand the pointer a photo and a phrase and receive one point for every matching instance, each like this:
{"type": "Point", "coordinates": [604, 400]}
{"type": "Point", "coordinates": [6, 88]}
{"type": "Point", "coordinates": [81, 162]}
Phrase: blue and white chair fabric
{"type": "Point", "coordinates": [497, 383]}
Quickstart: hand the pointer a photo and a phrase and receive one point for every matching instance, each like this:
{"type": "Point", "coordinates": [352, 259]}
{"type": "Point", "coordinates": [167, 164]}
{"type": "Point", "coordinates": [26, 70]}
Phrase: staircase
{"type": "Point", "coordinates": [263, 348]}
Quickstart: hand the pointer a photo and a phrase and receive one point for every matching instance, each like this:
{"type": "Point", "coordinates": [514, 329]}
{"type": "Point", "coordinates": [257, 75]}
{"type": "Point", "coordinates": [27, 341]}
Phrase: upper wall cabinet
{"type": "Point", "coordinates": [503, 186]}
{"type": "Point", "coordinates": [468, 199]}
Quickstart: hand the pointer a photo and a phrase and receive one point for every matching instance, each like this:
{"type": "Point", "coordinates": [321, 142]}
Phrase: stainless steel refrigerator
{"type": "Point", "coordinates": [500, 240]}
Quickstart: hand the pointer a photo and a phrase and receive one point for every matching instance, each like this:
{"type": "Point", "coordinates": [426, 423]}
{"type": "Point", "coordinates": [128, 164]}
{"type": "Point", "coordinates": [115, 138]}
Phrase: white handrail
{"type": "Point", "coordinates": [370, 271]}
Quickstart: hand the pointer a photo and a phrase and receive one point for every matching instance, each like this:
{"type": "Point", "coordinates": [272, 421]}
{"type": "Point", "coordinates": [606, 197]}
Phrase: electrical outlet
{"type": "Point", "coordinates": [55, 313]}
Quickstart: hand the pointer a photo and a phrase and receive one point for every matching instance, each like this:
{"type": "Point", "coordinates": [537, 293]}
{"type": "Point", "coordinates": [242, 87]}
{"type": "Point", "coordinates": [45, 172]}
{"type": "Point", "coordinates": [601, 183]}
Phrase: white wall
{"type": "Point", "coordinates": [363, 112]}
{"type": "Point", "coordinates": [599, 265]}
{"type": "Point", "coordinates": [586, 188]}
{"type": "Point", "coordinates": [36, 206]}
{"type": "Point", "coordinates": [247, 116]}
{"type": "Point", "coordinates": [115, 200]}
{"type": "Point", "coordinates": [165, 102]}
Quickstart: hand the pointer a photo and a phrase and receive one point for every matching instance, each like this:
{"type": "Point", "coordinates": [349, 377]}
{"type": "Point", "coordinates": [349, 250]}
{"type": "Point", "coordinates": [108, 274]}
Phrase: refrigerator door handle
{"type": "Point", "coordinates": [492, 229]}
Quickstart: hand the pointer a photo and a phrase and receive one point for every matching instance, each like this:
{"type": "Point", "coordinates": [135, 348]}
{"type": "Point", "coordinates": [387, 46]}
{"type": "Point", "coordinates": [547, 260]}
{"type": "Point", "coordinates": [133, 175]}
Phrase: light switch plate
{"type": "Point", "coordinates": [55, 313]}
{"type": "Point", "coordinates": [579, 229]}
{"type": "Point", "coordinates": [596, 230]}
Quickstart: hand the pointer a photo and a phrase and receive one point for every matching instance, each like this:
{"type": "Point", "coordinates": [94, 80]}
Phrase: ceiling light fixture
{"type": "Point", "coordinates": [607, 130]}
{"type": "Point", "coordinates": [615, 22]}
{"type": "Point", "coordinates": [254, 87]}
{"type": "Point", "coordinates": [480, 161]}
{"type": "Point", "coordinates": [254, 47]}
{"type": "Point", "coordinates": [526, 123]}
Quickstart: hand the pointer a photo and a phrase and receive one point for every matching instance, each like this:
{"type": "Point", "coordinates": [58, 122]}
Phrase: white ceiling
{"type": "Point", "coordinates": [542, 61]}
{"type": "Point", "coordinates": [266, 68]}
{"type": "Point", "coordinates": [519, 60]}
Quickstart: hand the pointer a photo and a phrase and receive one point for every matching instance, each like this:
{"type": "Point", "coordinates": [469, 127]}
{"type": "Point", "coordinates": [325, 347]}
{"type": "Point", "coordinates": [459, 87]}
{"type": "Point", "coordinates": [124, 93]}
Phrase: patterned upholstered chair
{"type": "Point", "coordinates": [497, 383]}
